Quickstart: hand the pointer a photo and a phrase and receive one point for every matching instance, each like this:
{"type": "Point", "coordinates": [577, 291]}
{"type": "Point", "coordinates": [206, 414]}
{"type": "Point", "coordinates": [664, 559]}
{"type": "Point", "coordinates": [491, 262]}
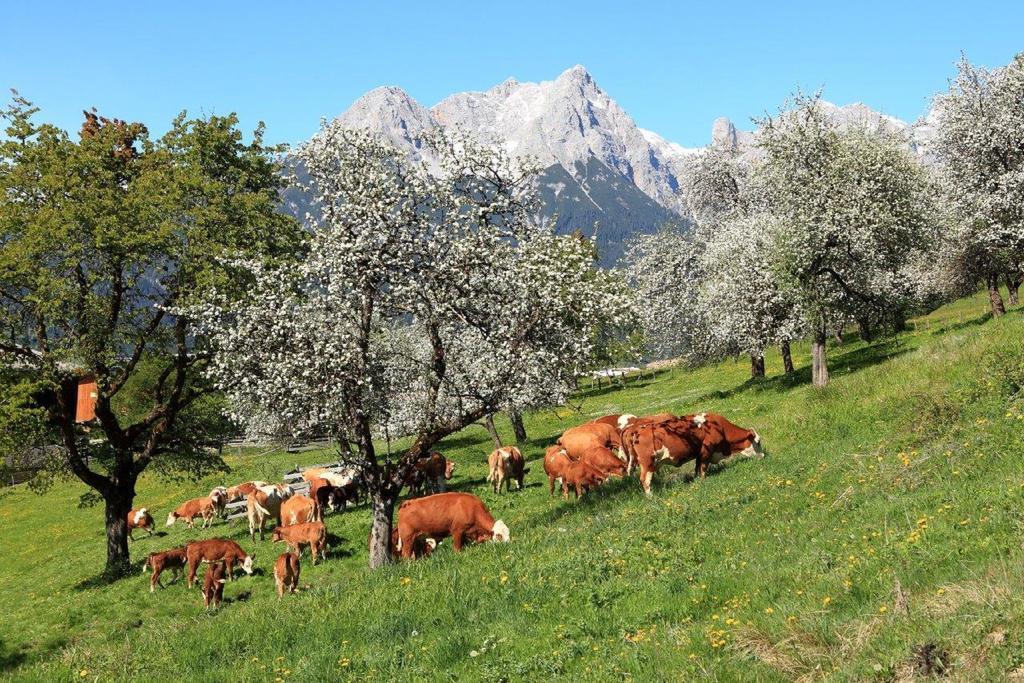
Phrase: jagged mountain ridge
{"type": "Point", "coordinates": [602, 173]}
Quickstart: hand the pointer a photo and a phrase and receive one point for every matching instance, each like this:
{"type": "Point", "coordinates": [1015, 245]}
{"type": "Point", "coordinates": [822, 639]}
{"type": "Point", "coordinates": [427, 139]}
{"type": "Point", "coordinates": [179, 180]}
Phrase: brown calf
{"type": "Point", "coordinates": [313, 534]}
{"type": "Point", "coordinates": [422, 546]}
{"type": "Point", "coordinates": [173, 559]}
{"type": "Point", "coordinates": [213, 585]}
{"type": "Point", "coordinates": [286, 573]}
{"type": "Point", "coordinates": [190, 509]}
{"type": "Point", "coordinates": [217, 550]}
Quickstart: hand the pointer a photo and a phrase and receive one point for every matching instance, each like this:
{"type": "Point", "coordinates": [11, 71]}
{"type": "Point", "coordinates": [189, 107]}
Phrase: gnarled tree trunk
{"type": "Point", "coordinates": [819, 367]}
{"type": "Point", "coordinates": [994, 297]}
{"type": "Point", "coordinates": [1013, 281]}
{"type": "Point", "coordinates": [382, 509]}
{"type": "Point", "coordinates": [516, 418]}
{"type": "Point", "coordinates": [756, 366]}
{"type": "Point", "coordinates": [787, 357]}
{"type": "Point", "coordinates": [117, 500]}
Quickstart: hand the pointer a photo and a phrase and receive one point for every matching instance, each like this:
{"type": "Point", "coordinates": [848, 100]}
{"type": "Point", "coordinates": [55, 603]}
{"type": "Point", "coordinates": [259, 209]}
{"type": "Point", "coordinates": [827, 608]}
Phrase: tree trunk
{"type": "Point", "coordinates": [756, 366]}
{"type": "Point", "coordinates": [118, 503]}
{"type": "Point", "coordinates": [382, 505]}
{"type": "Point", "coordinates": [516, 418]}
{"type": "Point", "coordinates": [492, 430]}
{"type": "Point", "coordinates": [1013, 281]}
{"type": "Point", "coordinates": [867, 331]}
{"type": "Point", "coordinates": [819, 369]}
{"type": "Point", "coordinates": [787, 357]}
{"type": "Point", "coordinates": [994, 297]}
{"type": "Point", "coordinates": [838, 334]}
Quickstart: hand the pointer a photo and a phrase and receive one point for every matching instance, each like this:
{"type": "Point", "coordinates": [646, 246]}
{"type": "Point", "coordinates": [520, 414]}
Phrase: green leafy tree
{"type": "Point", "coordinates": [104, 240]}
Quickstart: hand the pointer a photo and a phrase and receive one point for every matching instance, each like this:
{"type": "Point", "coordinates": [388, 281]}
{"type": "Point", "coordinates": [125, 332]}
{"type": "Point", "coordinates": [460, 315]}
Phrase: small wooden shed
{"type": "Point", "coordinates": [85, 405]}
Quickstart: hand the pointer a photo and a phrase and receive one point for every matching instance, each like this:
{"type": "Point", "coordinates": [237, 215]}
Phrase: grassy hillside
{"type": "Point", "coordinates": [881, 535]}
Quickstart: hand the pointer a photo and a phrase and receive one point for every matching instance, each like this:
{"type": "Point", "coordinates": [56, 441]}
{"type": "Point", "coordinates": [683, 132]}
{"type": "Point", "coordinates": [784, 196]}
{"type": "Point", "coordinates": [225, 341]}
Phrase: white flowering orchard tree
{"type": "Point", "coordinates": [745, 306]}
{"type": "Point", "coordinates": [664, 270]}
{"type": "Point", "coordinates": [980, 149]}
{"type": "Point", "coordinates": [429, 298]}
{"type": "Point", "coordinates": [852, 213]}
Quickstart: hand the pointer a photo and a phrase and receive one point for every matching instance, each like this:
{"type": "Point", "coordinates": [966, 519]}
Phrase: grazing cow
{"type": "Point", "coordinates": [740, 441]}
{"type": "Point", "coordinates": [603, 460]}
{"type": "Point", "coordinates": [219, 496]}
{"type": "Point", "coordinates": [676, 442]}
{"type": "Point", "coordinates": [298, 510]}
{"type": "Point", "coordinates": [462, 516]}
{"type": "Point", "coordinates": [140, 519]}
{"type": "Point", "coordinates": [586, 436]}
{"type": "Point", "coordinates": [173, 559]}
{"type": "Point", "coordinates": [190, 509]}
{"type": "Point", "coordinates": [213, 585]}
{"type": "Point", "coordinates": [217, 550]}
{"type": "Point", "coordinates": [506, 464]}
{"type": "Point", "coordinates": [422, 547]}
{"type": "Point", "coordinates": [286, 573]}
{"type": "Point", "coordinates": [578, 475]}
{"type": "Point", "coordinates": [312, 533]}
{"type": "Point", "coordinates": [239, 492]}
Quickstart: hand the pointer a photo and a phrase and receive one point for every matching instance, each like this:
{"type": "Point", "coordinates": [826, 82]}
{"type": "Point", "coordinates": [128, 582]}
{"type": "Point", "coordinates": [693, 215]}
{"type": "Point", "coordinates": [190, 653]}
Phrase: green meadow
{"type": "Point", "coordinates": [880, 539]}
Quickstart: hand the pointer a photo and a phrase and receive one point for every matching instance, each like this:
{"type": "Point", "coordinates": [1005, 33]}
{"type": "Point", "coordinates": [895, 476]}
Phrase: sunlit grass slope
{"type": "Point", "coordinates": [880, 538]}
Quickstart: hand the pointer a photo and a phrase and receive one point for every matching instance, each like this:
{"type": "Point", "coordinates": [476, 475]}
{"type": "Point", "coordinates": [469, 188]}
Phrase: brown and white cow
{"type": "Point", "coordinates": [462, 516]}
{"type": "Point", "coordinates": [313, 534]}
{"type": "Point", "coordinates": [505, 465]}
{"type": "Point", "coordinates": [213, 585]}
{"type": "Point", "coordinates": [190, 509]}
{"type": "Point", "coordinates": [140, 519]}
{"type": "Point", "coordinates": [654, 444]}
{"type": "Point", "coordinates": [173, 559]}
{"type": "Point", "coordinates": [286, 573]}
{"type": "Point", "coordinates": [263, 503]}
{"type": "Point", "coordinates": [737, 440]}
{"type": "Point", "coordinates": [217, 550]}
{"type": "Point", "coordinates": [326, 495]}
{"type": "Point", "coordinates": [627, 422]}
{"type": "Point", "coordinates": [219, 496]}
{"type": "Point", "coordinates": [299, 510]}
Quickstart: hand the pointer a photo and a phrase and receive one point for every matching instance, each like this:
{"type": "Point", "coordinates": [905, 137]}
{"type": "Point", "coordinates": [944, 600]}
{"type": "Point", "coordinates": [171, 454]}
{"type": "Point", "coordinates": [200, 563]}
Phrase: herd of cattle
{"type": "Point", "coordinates": [582, 458]}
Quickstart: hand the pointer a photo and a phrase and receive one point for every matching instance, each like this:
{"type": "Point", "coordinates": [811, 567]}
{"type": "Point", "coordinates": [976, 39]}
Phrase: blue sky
{"type": "Point", "coordinates": [674, 66]}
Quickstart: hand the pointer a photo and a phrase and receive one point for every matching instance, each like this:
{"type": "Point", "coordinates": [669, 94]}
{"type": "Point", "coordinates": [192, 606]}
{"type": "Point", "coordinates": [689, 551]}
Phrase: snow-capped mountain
{"type": "Point", "coordinates": [602, 173]}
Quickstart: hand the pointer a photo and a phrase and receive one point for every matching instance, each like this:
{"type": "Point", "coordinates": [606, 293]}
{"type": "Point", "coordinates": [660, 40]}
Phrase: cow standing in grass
{"type": "Point", "coordinates": [140, 519]}
{"type": "Point", "coordinates": [217, 550]}
{"type": "Point", "coordinates": [286, 573]}
{"type": "Point", "coordinates": [462, 516]}
{"type": "Point", "coordinates": [505, 465]}
{"type": "Point", "coordinates": [174, 560]}
{"type": "Point", "coordinates": [190, 509]}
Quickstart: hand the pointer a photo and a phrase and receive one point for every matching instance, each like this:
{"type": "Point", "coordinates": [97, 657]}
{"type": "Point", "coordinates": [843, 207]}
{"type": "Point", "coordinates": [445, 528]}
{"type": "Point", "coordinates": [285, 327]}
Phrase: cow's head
{"type": "Point", "coordinates": [449, 468]}
{"type": "Point", "coordinates": [171, 516]}
{"type": "Point", "coordinates": [247, 564]}
{"type": "Point", "coordinates": [276, 535]}
{"type": "Point", "coordinates": [500, 532]}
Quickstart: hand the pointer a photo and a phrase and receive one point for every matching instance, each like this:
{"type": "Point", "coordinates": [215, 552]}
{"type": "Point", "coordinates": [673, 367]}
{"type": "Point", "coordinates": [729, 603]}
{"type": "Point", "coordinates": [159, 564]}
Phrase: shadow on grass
{"type": "Point", "coordinates": [963, 324]}
{"type": "Point", "coordinates": [841, 364]}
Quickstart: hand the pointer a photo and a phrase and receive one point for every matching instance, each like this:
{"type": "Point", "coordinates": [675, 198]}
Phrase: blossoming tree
{"type": "Point", "coordinates": [430, 298]}
{"type": "Point", "coordinates": [980, 149]}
